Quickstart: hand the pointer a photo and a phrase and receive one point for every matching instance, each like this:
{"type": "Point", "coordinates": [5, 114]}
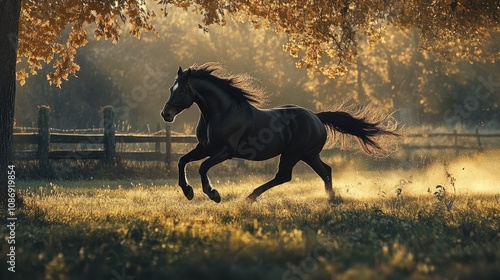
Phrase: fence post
{"type": "Point", "coordinates": [478, 139]}
{"type": "Point", "coordinates": [157, 144]}
{"type": "Point", "coordinates": [455, 141]}
{"type": "Point", "coordinates": [168, 146]}
{"type": "Point", "coordinates": [43, 136]}
{"type": "Point", "coordinates": [109, 134]}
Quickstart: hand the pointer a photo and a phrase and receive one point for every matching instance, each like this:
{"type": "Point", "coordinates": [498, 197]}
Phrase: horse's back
{"type": "Point", "coordinates": [288, 129]}
{"type": "Point", "coordinates": [300, 119]}
{"type": "Point", "coordinates": [308, 134]}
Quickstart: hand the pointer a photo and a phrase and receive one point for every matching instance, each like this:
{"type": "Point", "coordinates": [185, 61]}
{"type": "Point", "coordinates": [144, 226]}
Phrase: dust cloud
{"type": "Point", "coordinates": [477, 174]}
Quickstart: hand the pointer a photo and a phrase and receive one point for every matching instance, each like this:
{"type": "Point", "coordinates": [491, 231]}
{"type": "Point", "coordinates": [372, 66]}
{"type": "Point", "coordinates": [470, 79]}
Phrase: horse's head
{"type": "Point", "coordinates": [181, 96]}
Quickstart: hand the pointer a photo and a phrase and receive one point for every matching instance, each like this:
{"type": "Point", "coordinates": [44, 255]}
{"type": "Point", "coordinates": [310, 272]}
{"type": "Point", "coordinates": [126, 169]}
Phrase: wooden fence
{"type": "Point", "coordinates": [42, 138]}
{"type": "Point", "coordinates": [451, 141]}
{"type": "Point", "coordinates": [108, 140]}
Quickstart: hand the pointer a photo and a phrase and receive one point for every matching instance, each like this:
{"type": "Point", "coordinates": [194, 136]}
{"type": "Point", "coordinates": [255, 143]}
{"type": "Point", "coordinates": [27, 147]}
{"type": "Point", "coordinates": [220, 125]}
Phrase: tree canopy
{"type": "Point", "coordinates": [323, 35]}
{"type": "Point", "coordinates": [42, 23]}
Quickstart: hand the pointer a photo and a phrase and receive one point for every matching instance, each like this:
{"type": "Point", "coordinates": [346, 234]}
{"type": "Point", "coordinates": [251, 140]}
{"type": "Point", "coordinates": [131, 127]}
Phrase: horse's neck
{"type": "Point", "coordinates": [211, 99]}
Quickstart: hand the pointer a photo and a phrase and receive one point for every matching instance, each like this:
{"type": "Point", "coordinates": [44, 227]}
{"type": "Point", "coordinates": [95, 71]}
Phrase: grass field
{"type": "Point", "coordinates": [393, 224]}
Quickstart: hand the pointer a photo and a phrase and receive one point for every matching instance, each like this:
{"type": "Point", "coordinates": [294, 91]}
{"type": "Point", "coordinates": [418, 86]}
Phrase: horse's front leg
{"type": "Point", "coordinates": [219, 157]}
{"type": "Point", "coordinates": [199, 152]}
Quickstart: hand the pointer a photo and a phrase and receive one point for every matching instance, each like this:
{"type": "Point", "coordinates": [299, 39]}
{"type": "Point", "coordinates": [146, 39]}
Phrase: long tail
{"type": "Point", "coordinates": [364, 130]}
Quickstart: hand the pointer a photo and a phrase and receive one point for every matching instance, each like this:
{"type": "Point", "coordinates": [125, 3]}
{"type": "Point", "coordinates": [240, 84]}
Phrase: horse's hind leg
{"type": "Point", "coordinates": [283, 175]}
{"type": "Point", "coordinates": [325, 172]}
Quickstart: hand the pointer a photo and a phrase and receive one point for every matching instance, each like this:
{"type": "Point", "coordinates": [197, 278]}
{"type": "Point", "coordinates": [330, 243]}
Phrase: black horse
{"type": "Point", "coordinates": [231, 127]}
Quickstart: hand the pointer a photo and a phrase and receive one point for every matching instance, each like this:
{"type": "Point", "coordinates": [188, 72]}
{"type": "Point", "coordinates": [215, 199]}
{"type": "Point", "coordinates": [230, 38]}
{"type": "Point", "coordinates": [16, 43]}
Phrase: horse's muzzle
{"type": "Point", "coordinates": [169, 112]}
{"type": "Point", "coordinates": [167, 117]}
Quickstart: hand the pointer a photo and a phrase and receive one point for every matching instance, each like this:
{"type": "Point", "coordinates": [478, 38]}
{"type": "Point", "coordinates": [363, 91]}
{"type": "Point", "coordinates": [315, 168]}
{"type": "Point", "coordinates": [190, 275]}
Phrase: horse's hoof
{"type": "Point", "coordinates": [335, 200]}
{"type": "Point", "coordinates": [188, 192]}
{"type": "Point", "coordinates": [251, 199]}
{"type": "Point", "coordinates": [214, 195]}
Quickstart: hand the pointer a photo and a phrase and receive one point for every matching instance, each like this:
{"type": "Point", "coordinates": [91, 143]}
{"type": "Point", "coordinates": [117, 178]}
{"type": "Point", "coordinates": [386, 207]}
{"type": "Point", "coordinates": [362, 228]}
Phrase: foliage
{"type": "Point", "coordinates": [333, 29]}
{"type": "Point", "coordinates": [322, 35]}
{"type": "Point", "coordinates": [81, 230]}
{"type": "Point", "coordinates": [42, 24]}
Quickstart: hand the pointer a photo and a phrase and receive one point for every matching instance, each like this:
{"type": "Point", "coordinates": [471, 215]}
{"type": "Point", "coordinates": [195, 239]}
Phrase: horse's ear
{"type": "Point", "coordinates": [180, 72]}
{"type": "Point", "coordinates": [188, 71]}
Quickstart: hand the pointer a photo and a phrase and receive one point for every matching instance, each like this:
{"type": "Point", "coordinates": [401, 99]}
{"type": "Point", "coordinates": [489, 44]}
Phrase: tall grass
{"type": "Point", "coordinates": [392, 225]}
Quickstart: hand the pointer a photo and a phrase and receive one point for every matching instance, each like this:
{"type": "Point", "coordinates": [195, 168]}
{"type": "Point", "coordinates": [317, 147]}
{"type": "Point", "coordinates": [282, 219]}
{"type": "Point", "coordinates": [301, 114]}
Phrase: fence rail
{"type": "Point", "coordinates": [73, 138]}
{"type": "Point", "coordinates": [455, 143]}
{"type": "Point", "coordinates": [43, 136]}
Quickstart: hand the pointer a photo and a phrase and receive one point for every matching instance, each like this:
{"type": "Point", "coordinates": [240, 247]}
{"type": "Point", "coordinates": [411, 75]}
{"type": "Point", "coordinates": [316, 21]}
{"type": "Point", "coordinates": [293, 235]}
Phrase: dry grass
{"type": "Point", "coordinates": [392, 225]}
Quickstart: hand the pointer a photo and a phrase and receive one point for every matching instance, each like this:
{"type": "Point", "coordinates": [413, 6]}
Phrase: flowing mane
{"type": "Point", "coordinates": [239, 86]}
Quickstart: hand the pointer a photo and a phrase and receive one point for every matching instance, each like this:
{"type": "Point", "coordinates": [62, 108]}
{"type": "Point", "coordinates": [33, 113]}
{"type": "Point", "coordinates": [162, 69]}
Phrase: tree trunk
{"type": "Point", "coordinates": [9, 24]}
{"type": "Point", "coordinates": [359, 81]}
